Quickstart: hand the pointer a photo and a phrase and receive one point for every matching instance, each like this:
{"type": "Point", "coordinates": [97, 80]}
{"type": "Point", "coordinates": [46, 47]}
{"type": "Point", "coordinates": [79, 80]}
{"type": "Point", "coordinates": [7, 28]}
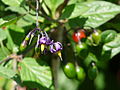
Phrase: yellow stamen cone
{"type": "Point", "coordinates": [60, 55]}
{"type": "Point", "coordinates": [42, 47]}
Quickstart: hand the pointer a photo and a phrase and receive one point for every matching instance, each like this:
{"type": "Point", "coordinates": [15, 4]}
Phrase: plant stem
{"type": "Point", "coordinates": [56, 60]}
{"type": "Point", "coordinates": [55, 67]}
{"type": "Point", "coordinates": [5, 60]}
{"type": "Point", "coordinates": [37, 10]}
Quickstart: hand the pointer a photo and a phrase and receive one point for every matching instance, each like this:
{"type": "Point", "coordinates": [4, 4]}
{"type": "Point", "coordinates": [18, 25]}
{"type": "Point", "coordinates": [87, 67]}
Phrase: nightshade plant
{"type": "Point", "coordinates": [59, 44]}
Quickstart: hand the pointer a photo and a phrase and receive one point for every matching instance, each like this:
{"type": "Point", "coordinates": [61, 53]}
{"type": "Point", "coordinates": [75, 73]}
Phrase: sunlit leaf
{"type": "Point", "coordinates": [31, 71]}
{"type": "Point", "coordinates": [3, 35]}
{"type": "Point", "coordinates": [74, 10]}
{"type": "Point", "coordinates": [9, 20]}
{"type": "Point", "coordinates": [12, 2]}
{"type": "Point", "coordinates": [7, 73]}
{"type": "Point", "coordinates": [100, 12]}
{"type": "Point", "coordinates": [16, 9]}
{"type": "Point", "coordinates": [89, 58]}
{"type": "Point", "coordinates": [114, 46]}
{"type": "Point", "coordinates": [53, 4]}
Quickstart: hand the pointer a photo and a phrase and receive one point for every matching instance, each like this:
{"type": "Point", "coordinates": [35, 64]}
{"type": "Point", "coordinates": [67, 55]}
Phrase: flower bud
{"type": "Point", "coordinates": [23, 45]}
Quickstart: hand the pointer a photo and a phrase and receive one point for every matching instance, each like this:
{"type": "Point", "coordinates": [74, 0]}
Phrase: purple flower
{"type": "Point", "coordinates": [49, 42]}
{"type": "Point", "coordinates": [45, 40]}
{"type": "Point", "coordinates": [55, 47]}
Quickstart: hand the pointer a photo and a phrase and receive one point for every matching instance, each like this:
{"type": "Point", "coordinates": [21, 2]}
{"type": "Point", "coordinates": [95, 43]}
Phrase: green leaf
{"type": "Point", "coordinates": [74, 10]}
{"type": "Point", "coordinates": [113, 46]}
{"type": "Point", "coordinates": [12, 2]}
{"type": "Point", "coordinates": [108, 35]}
{"type": "Point", "coordinates": [28, 20]}
{"type": "Point", "coordinates": [22, 23]}
{"type": "Point", "coordinates": [7, 73]}
{"type": "Point", "coordinates": [3, 35]}
{"type": "Point", "coordinates": [9, 20]}
{"type": "Point", "coordinates": [99, 12]}
{"type": "Point", "coordinates": [4, 50]}
{"type": "Point", "coordinates": [53, 4]}
{"type": "Point", "coordinates": [75, 1]}
{"type": "Point", "coordinates": [17, 9]}
{"type": "Point", "coordinates": [10, 44]}
{"type": "Point", "coordinates": [89, 58]}
{"type": "Point", "coordinates": [115, 51]}
{"type": "Point", "coordinates": [16, 28]}
{"type": "Point", "coordinates": [3, 54]}
{"type": "Point", "coordinates": [32, 71]}
{"type": "Point", "coordinates": [28, 17]}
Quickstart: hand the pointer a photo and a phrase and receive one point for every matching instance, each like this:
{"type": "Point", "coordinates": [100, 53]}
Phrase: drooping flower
{"type": "Point", "coordinates": [45, 41]}
{"type": "Point", "coordinates": [56, 48]}
{"type": "Point", "coordinates": [42, 40]}
{"type": "Point", "coordinates": [49, 41]}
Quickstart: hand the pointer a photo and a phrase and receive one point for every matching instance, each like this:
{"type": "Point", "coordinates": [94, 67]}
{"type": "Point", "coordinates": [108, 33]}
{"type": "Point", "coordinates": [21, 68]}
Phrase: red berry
{"type": "Point", "coordinates": [78, 35]}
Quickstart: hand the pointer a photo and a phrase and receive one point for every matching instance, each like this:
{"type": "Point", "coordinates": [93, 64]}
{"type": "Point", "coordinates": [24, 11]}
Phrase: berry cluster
{"type": "Point", "coordinates": [92, 38]}
{"type": "Point", "coordinates": [74, 72]}
{"type": "Point", "coordinates": [78, 72]}
{"type": "Point", "coordinates": [84, 39]}
{"type": "Point", "coordinates": [43, 41]}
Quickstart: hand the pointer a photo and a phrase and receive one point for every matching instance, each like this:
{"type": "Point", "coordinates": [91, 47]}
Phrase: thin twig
{"type": "Point", "coordinates": [37, 10]}
{"type": "Point", "coordinates": [5, 60]}
{"type": "Point", "coordinates": [12, 56]}
{"type": "Point", "coordinates": [55, 60]}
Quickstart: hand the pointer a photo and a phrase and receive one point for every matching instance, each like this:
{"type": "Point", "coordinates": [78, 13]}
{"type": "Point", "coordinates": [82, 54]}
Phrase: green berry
{"type": "Point", "coordinates": [82, 50]}
{"type": "Point", "coordinates": [92, 71]}
{"type": "Point", "coordinates": [96, 37]}
{"type": "Point", "coordinates": [69, 70]}
{"type": "Point", "coordinates": [80, 73]}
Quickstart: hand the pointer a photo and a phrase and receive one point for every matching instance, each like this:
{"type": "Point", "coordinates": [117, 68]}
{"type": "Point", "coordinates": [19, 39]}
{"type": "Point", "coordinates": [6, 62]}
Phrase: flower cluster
{"type": "Point", "coordinates": [43, 41]}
